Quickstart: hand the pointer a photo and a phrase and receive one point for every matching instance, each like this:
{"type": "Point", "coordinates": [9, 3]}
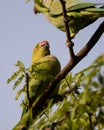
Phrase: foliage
{"type": "Point", "coordinates": [22, 72]}
{"type": "Point", "coordinates": [83, 107]}
{"type": "Point", "coordinates": [83, 104]}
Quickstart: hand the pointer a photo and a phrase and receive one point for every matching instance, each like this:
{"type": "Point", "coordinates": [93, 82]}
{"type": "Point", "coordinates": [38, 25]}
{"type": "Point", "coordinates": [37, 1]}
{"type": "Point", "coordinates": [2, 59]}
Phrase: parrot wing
{"type": "Point", "coordinates": [45, 70]}
{"type": "Point", "coordinates": [55, 7]}
{"type": "Point", "coordinates": [95, 10]}
{"type": "Point", "coordinates": [85, 5]}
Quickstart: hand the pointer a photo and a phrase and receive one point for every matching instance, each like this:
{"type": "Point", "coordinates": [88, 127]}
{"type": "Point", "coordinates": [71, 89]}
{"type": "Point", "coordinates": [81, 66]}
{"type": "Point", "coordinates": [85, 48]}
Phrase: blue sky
{"type": "Point", "coordinates": [20, 30]}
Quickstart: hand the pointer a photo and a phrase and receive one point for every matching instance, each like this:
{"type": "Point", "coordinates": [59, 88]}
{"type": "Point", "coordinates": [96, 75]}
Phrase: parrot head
{"type": "Point", "coordinates": [40, 50]}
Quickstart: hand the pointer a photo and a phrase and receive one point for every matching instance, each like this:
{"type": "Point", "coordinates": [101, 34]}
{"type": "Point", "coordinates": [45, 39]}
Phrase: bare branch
{"type": "Point", "coordinates": [69, 43]}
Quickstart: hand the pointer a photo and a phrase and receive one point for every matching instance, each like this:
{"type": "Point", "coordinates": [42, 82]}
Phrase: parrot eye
{"type": "Point", "coordinates": [44, 43]}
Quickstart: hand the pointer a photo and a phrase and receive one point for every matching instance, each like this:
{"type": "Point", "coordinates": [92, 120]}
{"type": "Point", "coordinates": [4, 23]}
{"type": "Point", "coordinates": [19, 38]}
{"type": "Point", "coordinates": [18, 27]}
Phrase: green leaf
{"type": "Point", "coordinates": [18, 81]}
{"type": "Point", "coordinates": [20, 64]}
{"type": "Point", "coordinates": [21, 69]}
{"type": "Point", "coordinates": [15, 75]}
{"type": "Point", "coordinates": [19, 93]}
{"type": "Point", "coordinates": [95, 84]}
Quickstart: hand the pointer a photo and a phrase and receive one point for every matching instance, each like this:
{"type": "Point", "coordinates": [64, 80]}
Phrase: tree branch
{"type": "Point", "coordinates": [70, 89]}
{"type": "Point", "coordinates": [69, 43]}
{"type": "Point", "coordinates": [71, 64]}
{"type": "Point", "coordinates": [60, 97]}
{"type": "Point", "coordinates": [90, 120]}
{"type": "Point", "coordinates": [27, 90]}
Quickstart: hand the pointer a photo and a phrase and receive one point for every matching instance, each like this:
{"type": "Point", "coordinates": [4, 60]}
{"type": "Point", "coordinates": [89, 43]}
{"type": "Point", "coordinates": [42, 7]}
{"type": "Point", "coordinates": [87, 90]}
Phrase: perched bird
{"type": "Point", "coordinates": [46, 66]}
{"type": "Point", "coordinates": [42, 71]}
{"type": "Point", "coordinates": [79, 13]}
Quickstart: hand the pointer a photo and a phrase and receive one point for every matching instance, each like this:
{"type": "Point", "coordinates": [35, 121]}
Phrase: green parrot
{"type": "Point", "coordinates": [42, 71]}
{"type": "Point", "coordinates": [79, 13]}
{"type": "Point", "coordinates": [44, 68]}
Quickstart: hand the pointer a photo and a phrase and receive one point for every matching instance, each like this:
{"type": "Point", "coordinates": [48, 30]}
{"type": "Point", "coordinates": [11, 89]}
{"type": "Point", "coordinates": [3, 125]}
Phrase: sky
{"type": "Point", "coordinates": [20, 30]}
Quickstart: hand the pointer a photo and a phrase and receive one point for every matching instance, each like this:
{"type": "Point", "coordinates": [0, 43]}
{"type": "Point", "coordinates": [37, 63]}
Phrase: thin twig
{"type": "Point", "coordinates": [25, 104]}
{"type": "Point", "coordinates": [62, 96]}
{"type": "Point", "coordinates": [70, 89]}
{"type": "Point", "coordinates": [27, 89]}
{"type": "Point", "coordinates": [69, 43]}
{"type": "Point", "coordinates": [54, 124]}
{"type": "Point", "coordinates": [90, 120]}
{"type": "Point", "coordinates": [74, 89]}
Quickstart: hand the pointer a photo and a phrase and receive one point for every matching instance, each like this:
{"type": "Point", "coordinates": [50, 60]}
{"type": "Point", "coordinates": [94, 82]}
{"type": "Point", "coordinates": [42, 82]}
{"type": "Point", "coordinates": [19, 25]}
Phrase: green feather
{"type": "Point", "coordinates": [79, 13]}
